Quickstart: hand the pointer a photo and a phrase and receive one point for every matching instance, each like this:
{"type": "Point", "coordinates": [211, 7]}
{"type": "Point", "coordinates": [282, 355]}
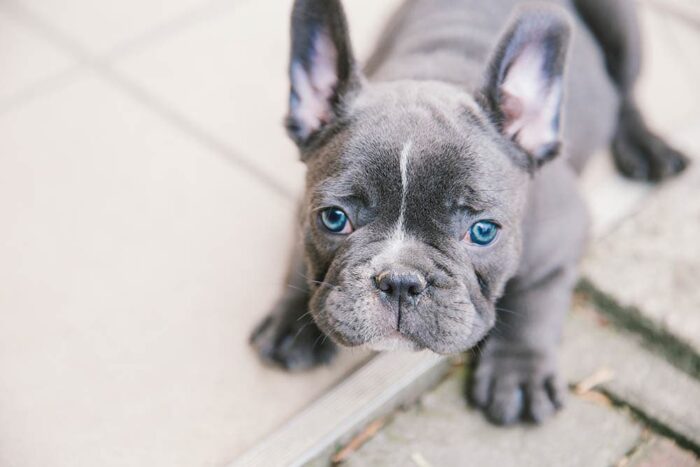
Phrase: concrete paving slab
{"type": "Point", "coordinates": [376, 389]}
{"type": "Point", "coordinates": [228, 74]}
{"type": "Point", "coordinates": [133, 269]}
{"type": "Point", "coordinates": [26, 58]}
{"type": "Point", "coordinates": [686, 10]}
{"type": "Point", "coordinates": [101, 26]}
{"type": "Point", "coordinates": [658, 452]}
{"type": "Point", "coordinates": [641, 379]}
{"type": "Point", "coordinates": [667, 88]}
{"type": "Point", "coordinates": [651, 262]}
{"type": "Point", "coordinates": [443, 431]}
{"type": "Point", "coordinates": [609, 196]}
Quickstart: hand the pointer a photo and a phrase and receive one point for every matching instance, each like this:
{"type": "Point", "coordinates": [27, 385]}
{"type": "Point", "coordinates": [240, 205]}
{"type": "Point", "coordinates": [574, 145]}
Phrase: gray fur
{"type": "Point", "coordinates": [414, 151]}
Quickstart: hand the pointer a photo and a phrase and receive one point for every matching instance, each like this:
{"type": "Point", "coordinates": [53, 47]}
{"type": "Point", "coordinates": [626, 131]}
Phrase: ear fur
{"type": "Point", "coordinates": [525, 79]}
{"type": "Point", "coordinates": [322, 68]}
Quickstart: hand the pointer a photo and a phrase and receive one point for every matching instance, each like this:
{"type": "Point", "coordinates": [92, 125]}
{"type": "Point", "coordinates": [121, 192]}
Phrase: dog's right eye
{"type": "Point", "coordinates": [483, 233]}
{"type": "Point", "coordinates": [335, 220]}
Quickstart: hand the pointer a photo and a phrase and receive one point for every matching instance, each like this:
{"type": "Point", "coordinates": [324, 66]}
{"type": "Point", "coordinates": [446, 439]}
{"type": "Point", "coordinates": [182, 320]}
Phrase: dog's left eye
{"type": "Point", "coordinates": [483, 233]}
{"type": "Point", "coordinates": [335, 220]}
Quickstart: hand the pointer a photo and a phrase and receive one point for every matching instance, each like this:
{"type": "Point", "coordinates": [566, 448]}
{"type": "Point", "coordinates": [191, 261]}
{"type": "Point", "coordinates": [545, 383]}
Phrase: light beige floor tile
{"type": "Point", "coordinates": [134, 264]}
{"type": "Point", "coordinates": [667, 88]}
{"type": "Point", "coordinates": [636, 264]}
{"type": "Point", "coordinates": [99, 26]}
{"type": "Point", "coordinates": [688, 9]}
{"type": "Point", "coordinates": [670, 99]}
{"type": "Point", "coordinates": [228, 74]}
{"type": "Point", "coordinates": [609, 196]}
{"type": "Point", "coordinates": [25, 58]}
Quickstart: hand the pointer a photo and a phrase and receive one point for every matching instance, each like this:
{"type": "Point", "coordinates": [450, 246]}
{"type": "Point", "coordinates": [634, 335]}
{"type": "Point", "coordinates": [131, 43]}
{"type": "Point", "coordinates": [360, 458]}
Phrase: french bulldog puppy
{"type": "Point", "coordinates": [441, 202]}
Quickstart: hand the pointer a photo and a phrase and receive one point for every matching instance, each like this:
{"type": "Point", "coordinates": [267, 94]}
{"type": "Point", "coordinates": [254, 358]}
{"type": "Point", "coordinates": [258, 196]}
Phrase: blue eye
{"type": "Point", "coordinates": [335, 220]}
{"type": "Point", "coordinates": [483, 232]}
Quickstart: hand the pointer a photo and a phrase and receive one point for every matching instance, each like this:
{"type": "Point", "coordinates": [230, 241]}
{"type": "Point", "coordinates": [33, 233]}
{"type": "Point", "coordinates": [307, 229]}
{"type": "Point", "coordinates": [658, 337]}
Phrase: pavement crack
{"type": "Point", "coordinates": [653, 337]}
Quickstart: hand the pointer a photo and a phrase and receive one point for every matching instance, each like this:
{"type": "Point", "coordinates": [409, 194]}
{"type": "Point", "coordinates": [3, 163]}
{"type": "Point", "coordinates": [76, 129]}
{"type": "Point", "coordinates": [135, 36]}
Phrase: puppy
{"type": "Point", "coordinates": [441, 202]}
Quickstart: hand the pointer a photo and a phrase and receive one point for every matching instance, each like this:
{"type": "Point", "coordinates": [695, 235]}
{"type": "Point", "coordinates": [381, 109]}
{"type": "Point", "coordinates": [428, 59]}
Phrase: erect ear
{"type": "Point", "coordinates": [523, 89]}
{"type": "Point", "coordinates": [322, 68]}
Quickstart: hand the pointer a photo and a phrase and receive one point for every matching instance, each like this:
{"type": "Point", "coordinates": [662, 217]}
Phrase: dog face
{"type": "Point", "coordinates": [416, 190]}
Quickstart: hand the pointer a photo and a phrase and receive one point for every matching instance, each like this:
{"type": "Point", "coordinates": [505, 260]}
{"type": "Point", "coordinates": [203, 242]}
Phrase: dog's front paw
{"type": "Point", "coordinates": [291, 341]}
{"type": "Point", "coordinates": [510, 384]}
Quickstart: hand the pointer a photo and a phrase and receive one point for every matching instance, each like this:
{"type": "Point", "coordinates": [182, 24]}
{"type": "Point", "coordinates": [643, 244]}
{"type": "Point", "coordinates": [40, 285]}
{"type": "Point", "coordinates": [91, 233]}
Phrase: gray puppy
{"type": "Point", "coordinates": [440, 202]}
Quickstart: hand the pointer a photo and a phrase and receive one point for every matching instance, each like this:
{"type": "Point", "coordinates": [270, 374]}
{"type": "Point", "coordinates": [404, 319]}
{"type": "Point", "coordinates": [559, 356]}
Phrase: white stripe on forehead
{"type": "Point", "coordinates": [403, 164]}
{"type": "Point", "coordinates": [397, 240]}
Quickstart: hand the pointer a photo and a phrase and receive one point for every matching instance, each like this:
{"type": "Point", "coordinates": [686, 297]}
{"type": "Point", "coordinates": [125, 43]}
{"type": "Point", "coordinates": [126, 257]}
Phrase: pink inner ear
{"type": "Point", "coordinates": [511, 107]}
{"type": "Point", "coordinates": [530, 102]}
{"type": "Point", "coordinates": [315, 87]}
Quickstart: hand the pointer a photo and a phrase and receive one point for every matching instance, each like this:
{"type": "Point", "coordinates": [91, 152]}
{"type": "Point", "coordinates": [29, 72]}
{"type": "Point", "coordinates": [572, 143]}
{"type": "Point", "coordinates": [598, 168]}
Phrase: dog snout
{"type": "Point", "coordinates": [400, 285]}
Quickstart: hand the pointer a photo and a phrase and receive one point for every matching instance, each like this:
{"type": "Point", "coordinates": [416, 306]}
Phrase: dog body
{"type": "Point", "coordinates": [453, 41]}
{"type": "Point", "coordinates": [439, 201]}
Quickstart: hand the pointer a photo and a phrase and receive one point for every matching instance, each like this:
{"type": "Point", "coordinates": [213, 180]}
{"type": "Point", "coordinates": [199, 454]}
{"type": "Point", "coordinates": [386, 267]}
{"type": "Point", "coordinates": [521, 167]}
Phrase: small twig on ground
{"type": "Point", "coordinates": [355, 443]}
{"type": "Point", "coordinates": [600, 376]}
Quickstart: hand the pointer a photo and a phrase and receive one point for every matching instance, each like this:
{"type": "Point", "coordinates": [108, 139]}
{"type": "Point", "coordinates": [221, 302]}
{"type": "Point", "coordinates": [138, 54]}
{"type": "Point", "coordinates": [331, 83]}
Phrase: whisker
{"type": "Point", "coordinates": [501, 326]}
{"type": "Point", "coordinates": [477, 346]}
{"type": "Point", "coordinates": [304, 315]}
{"type": "Point", "coordinates": [307, 278]}
{"type": "Point", "coordinates": [297, 288]}
{"type": "Point", "coordinates": [322, 337]}
{"type": "Point", "coordinates": [506, 310]}
{"type": "Point", "coordinates": [299, 331]}
{"type": "Point", "coordinates": [325, 283]}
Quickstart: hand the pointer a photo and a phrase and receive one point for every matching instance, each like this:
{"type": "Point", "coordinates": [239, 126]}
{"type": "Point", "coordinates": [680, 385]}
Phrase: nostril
{"type": "Point", "coordinates": [414, 289]}
{"type": "Point", "coordinates": [413, 284]}
{"type": "Point", "coordinates": [385, 283]}
{"type": "Point", "coordinates": [385, 286]}
{"type": "Point", "coordinates": [400, 284]}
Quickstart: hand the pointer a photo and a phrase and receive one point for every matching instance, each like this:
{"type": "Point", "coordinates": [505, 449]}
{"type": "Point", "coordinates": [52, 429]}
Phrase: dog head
{"type": "Point", "coordinates": [416, 190]}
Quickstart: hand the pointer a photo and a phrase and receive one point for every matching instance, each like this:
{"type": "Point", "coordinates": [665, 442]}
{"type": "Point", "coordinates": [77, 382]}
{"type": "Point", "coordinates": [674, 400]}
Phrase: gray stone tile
{"type": "Point", "coordinates": [658, 452]}
{"type": "Point", "coordinates": [640, 378]}
{"type": "Point", "coordinates": [652, 260]}
{"type": "Point", "coordinates": [442, 431]}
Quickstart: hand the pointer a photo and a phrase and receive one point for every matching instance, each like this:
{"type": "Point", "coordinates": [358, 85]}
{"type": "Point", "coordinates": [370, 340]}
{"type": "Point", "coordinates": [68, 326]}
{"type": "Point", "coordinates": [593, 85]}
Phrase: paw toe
{"type": "Point", "coordinates": [540, 405]}
{"type": "Point", "coordinates": [506, 403]}
{"type": "Point", "coordinates": [544, 398]}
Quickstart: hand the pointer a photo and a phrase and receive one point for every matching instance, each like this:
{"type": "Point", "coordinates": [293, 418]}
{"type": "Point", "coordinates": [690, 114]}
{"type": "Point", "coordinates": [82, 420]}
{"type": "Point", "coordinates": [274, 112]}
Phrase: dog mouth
{"type": "Point", "coordinates": [362, 320]}
{"type": "Point", "coordinates": [405, 304]}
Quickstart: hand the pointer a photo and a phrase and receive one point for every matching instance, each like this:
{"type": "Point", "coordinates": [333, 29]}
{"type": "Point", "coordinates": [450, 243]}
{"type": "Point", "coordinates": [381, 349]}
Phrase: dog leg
{"type": "Point", "coordinates": [516, 371]}
{"type": "Point", "coordinates": [288, 337]}
{"type": "Point", "coordinates": [638, 152]}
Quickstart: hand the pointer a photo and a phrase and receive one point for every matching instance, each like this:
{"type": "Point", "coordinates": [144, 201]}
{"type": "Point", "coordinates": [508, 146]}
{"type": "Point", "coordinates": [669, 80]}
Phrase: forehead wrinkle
{"type": "Point", "coordinates": [446, 177]}
{"type": "Point", "coordinates": [334, 190]}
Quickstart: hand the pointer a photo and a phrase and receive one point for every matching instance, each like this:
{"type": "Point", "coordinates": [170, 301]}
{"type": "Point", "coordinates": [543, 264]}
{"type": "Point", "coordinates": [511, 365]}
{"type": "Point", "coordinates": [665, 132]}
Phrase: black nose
{"type": "Point", "coordinates": [400, 285]}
